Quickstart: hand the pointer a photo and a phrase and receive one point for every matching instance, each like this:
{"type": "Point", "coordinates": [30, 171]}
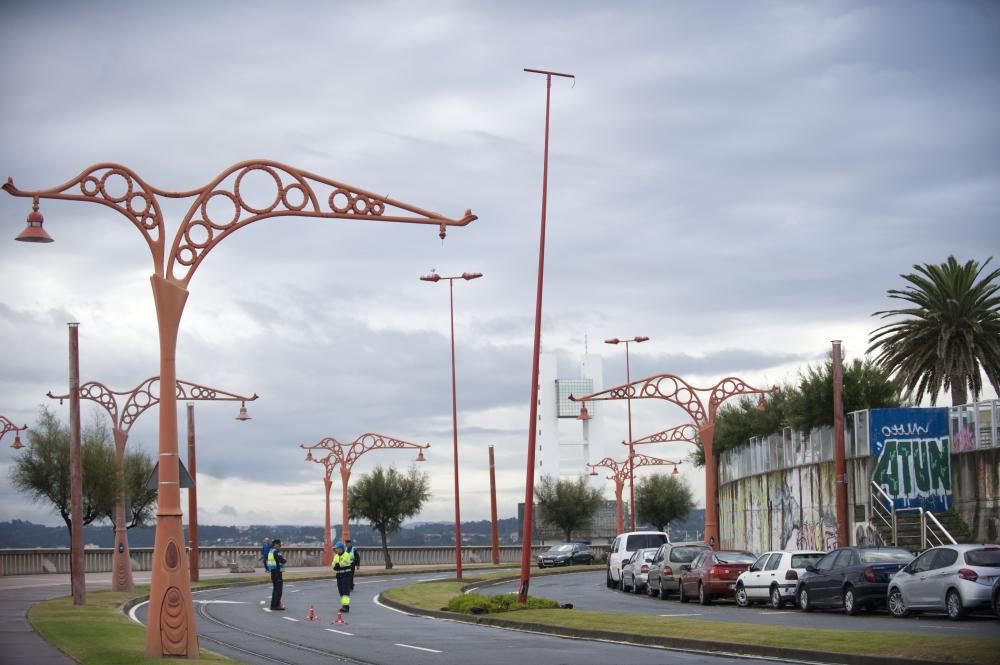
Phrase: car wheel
{"type": "Point", "coordinates": [741, 596]}
{"type": "Point", "coordinates": [611, 582]}
{"type": "Point", "coordinates": [660, 592]}
{"type": "Point", "coordinates": [850, 602]}
{"type": "Point", "coordinates": [652, 593]}
{"type": "Point", "coordinates": [897, 606]}
{"type": "Point", "coordinates": [622, 586]}
{"type": "Point", "coordinates": [953, 602]}
{"type": "Point", "coordinates": [777, 602]}
{"type": "Point", "coordinates": [804, 604]}
{"type": "Point", "coordinates": [680, 593]}
{"type": "Point", "coordinates": [703, 597]}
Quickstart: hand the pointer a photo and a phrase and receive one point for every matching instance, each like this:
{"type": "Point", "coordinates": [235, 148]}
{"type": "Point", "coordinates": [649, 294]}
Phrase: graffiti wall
{"type": "Point", "coordinates": [788, 509]}
{"type": "Point", "coordinates": [913, 452]}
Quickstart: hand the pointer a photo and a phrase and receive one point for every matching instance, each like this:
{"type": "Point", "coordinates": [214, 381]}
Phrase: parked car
{"type": "Point", "coordinates": [996, 596]}
{"type": "Point", "coordinates": [713, 575]}
{"type": "Point", "coordinates": [665, 571]}
{"type": "Point", "coordinates": [635, 570]}
{"type": "Point", "coordinates": [954, 578]}
{"type": "Point", "coordinates": [773, 577]}
{"type": "Point", "coordinates": [566, 554]}
{"type": "Point", "coordinates": [624, 545]}
{"type": "Point", "coordinates": [852, 578]}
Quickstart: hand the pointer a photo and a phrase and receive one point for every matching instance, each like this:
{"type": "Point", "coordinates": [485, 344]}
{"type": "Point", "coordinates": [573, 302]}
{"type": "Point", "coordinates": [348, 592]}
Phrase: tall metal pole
{"type": "Point", "coordinates": [839, 456]}
{"type": "Point", "coordinates": [78, 581]}
{"type": "Point", "coordinates": [631, 446]}
{"type": "Point", "coordinates": [192, 497]}
{"type": "Point", "coordinates": [454, 434]}
{"type": "Point", "coordinates": [529, 486]}
{"type": "Point", "coordinates": [493, 509]}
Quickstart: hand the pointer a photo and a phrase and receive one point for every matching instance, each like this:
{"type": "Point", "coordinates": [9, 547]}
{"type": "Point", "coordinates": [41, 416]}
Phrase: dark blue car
{"type": "Point", "coordinates": [852, 578]}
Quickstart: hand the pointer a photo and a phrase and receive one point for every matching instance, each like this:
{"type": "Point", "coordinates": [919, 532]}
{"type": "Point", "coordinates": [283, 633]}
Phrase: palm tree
{"type": "Point", "coordinates": [949, 335]}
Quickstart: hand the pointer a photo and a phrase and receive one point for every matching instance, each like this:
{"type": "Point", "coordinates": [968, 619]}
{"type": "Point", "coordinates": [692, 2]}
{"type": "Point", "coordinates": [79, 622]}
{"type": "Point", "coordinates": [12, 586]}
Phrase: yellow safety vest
{"type": "Point", "coordinates": [272, 563]}
{"type": "Point", "coordinates": [345, 560]}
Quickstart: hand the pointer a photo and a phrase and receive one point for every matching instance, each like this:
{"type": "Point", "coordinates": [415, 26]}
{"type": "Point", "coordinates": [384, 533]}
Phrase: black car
{"type": "Point", "coordinates": [852, 578]}
{"type": "Point", "coordinates": [996, 596]}
{"type": "Point", "coordinates": [566, 554]}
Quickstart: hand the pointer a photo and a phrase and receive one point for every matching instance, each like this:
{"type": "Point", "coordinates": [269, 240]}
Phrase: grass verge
{"type": "Point", "coordinates": [474, 603]}
{"type": "Point", "coordinates": [977, 651]}
{"type": "Point", "coordinates": [98, 633]}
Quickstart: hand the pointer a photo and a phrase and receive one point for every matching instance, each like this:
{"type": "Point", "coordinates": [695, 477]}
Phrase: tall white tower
{"type": "Point", "coordinates": [566, 444]}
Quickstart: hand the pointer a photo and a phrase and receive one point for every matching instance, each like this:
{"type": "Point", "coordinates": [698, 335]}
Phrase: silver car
{"type": "Point", "coordinates": [954, 578]}
{"type": "Point", "coordinates": [636, 570]}
{"type": "Point", "coordinates": [664, 574]}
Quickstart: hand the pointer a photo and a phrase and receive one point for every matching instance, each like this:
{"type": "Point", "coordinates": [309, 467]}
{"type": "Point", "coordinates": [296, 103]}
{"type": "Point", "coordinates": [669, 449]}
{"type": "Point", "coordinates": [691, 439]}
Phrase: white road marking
{"type": "Point", "coordinates": [430, 579]}
{"type": "Point", "coordinates": [266, 609]}
{"type": "Point", "coordinates": [131, 612]}
{"type": "Point", "coordinates": [681, 615]}
{"type": "Point", "coordinates": [220, 602]}
{"type": "Point", "coordinates": [290, 619]}
{"type": "Point", "coordinates": [386, 607]}
{"type": "Point", "coordinates": [410, 646]}
{"type": "Point", "coordinates": [263, 602]}
{"type": "Point", "coordinates": [295, 590]}
{"type": "Point", "coordinates": [340, 632]}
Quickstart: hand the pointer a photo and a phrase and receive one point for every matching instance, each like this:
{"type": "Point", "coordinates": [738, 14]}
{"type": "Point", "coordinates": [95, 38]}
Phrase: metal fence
{"type": "Point", "coordinates": [98, 560]}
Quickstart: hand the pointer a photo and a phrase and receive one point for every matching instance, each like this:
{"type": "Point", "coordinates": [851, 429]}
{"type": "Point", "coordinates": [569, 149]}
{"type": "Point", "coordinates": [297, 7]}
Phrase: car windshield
{"type": "Point", "coordinates": [641, 541]}
{"type": "Point", "coordinates": [803, 560]}
{"type": "Point", "coordinates": [687, 553]}
{"type": "Point", "coordinates": [988, 556]}
{"type": "Point", "coordinates": [555, 549]}
{"type": "Point", "coordinates": [734, 557]}
{"type": "Point", "coordinates": [886, 556]}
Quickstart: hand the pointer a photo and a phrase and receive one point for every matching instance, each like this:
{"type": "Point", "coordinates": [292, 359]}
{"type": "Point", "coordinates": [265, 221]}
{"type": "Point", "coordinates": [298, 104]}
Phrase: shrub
{"type": "Point", "coordinates": [475, 603]}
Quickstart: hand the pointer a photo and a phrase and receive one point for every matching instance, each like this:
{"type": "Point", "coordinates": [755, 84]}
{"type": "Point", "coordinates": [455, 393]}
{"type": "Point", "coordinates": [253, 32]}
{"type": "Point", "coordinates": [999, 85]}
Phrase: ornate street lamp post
{"type": "Point", "coordinates": [336, 454]}
{"type": "Point", "coordinates": [685, 433]}
{"type": "Point", "coordinates": [124, 407]}
{"type": "Point", "coordinates": [620, 472]}
{"type": "Point", "coordinates": [674, 389]}
{"type": "Point", "coordinates": [7, 426]}
{"type": "Point", "coordinates": [638, 339]}
{"type": "Point", "coordinates": [172, 630]}
{"type": "Point", "coordinates": [434, 277]}
{"type": "Point", "coordinates": [529, 483]}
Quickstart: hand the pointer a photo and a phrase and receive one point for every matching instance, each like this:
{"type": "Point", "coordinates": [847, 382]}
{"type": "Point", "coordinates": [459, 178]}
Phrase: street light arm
{"type": "Point", "coordinates": [96, 391]}
{"type": "Point", "coordinates": [7, 425]}
{"type": "Point", "coordinates": [295, 193]}
{"type": "Point", "coordinates": [731, 386]}
{"type": "Point", "coordinates": [661, 386]}
{"type": "Point", "coordinates": [679, 433]}
{"type": "Point", "coordinates": [372, 441]}
{"type": "Point", "coordinates": [129, 195]}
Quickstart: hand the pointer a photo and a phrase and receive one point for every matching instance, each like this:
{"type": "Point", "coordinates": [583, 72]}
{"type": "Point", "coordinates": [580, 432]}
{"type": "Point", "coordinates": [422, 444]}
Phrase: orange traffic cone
{"type": "Point", "coordinates": [312, 615]}
{"type": "Point", "coordinates": [340, 619]}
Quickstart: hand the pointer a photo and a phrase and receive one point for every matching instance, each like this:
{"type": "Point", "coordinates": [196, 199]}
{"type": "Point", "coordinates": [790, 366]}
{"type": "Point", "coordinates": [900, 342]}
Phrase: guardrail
{"type": "Point", "coordinates": [932, 532]}
{"type": "Point", "coordinates": [98, 560]}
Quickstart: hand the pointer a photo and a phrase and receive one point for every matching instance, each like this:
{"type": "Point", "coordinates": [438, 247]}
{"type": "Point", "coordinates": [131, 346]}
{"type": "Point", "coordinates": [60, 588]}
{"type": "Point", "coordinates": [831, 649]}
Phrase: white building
{"type": "Point", "coordinates": [565, 445]}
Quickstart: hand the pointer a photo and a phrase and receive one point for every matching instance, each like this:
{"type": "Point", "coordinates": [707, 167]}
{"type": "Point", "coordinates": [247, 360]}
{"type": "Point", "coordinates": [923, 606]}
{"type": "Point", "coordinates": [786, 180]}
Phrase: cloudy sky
{"type": "Point", "coordinates": [739, 181]}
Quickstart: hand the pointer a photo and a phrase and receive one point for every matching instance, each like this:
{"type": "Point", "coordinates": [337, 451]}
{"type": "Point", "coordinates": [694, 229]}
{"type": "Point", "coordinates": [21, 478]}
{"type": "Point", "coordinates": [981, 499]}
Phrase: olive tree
{"type": "Point", "coordinates": [386, 497]}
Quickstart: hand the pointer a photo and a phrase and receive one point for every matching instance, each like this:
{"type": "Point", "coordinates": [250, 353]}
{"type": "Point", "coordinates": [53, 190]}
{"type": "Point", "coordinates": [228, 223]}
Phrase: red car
{"type": "Point", "coordinates": [713, 575]}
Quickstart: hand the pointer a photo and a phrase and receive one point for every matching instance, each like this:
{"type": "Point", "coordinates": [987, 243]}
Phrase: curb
{"type": "Point", "coordinates": [673, 643]}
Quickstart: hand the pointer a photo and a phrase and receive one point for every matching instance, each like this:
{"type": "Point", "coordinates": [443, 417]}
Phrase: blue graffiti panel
{"type": "Point", "coordinates": [913, 449]}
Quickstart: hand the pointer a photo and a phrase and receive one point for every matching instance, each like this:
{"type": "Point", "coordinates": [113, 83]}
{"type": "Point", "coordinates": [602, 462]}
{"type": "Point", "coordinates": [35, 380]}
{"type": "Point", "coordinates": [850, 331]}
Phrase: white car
{"type": "Point", "coordinates": [952, 578]}
{"type": "Point", "coordinates": [624, 545]}
{"type": "Point", "coordinates": [773, 577]}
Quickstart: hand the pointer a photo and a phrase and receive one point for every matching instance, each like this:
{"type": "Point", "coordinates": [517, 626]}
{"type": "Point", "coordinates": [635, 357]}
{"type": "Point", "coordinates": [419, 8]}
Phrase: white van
{"type": "Point", "coordinates": [623, 546]}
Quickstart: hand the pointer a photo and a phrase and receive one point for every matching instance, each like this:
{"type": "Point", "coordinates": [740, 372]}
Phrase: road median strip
{"type": "Point", "coordinates": [704, 636]}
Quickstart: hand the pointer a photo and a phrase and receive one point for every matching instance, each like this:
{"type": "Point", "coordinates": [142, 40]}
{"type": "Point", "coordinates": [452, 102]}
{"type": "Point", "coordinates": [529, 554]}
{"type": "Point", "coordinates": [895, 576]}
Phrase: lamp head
{"type": "Point", "coordinates": [34, 232]}
{"type": "Point", "coordinates": [471, 275]}
{"type": "Point", "coordinates": [593, 471]}
{"type": "Point", "coordinates": [675, 471]}
{"type": "Point", "coordinates": [433, 277]}
{"type": "Point", "coordinates": [17, 445]}
{"type": "Point", "coordinates": [420, 456]}
{"type": "Point", "coordinates": [613, 340]}
{"type": "Point", "coordinates": [584, 414]}
{"type": "Point", "coordinates": [243, 413]}
{"type": "Point", "coordinates": [639, 339]}
{"type": "Point", "coordinates": [761, 404]}
{"type": "Point", "coordinates": [309, 455]}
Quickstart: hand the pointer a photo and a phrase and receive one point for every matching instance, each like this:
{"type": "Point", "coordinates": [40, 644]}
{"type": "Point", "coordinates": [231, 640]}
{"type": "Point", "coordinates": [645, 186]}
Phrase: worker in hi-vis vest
{"type": "Point", "coordinates": [276, 565]}
{"type": "Point", "coordinates": [342, 564]}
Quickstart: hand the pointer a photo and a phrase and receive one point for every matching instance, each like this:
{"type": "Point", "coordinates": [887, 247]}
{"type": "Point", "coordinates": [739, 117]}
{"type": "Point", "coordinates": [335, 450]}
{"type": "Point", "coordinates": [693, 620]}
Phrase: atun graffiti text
{"type": "Point", "coordinates": [916, 472]}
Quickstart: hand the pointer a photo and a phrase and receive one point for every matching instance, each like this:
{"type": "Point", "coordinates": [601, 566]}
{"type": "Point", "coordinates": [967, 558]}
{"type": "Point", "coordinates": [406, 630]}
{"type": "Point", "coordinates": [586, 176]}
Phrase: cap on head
{"type": "Point", "coordinates": [339, 544]}
{"type": "Point", "coordinates": [276, 541]}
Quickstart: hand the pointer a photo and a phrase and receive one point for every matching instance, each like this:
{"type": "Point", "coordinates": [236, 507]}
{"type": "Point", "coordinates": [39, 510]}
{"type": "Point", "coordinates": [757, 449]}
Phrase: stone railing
{"type": "Point", "coordinates": [98, 560]}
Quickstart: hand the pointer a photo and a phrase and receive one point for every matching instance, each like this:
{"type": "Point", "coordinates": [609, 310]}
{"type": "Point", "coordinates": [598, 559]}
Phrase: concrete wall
{"type": "Point", "coordinates": [975, 482]}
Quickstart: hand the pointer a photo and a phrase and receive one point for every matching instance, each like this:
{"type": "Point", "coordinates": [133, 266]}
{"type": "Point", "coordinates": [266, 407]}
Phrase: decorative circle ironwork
{"type": "Point", "coordinates": [294, 186]}
{"type": "Point", "coordinates": [277, 193]}
{"type": "Point", "coordinates": [104, 186]}
{"type": "Point", "coordinates": [146, 204]}
{"type": "Point", "coordinates": [208, 218]}
{"type": "Point", "coordinates": [347, 196]}
{"type": "Point", "coordinates": [90, 186]}
{"type": "Point", "coordinates": [194, 226]}
{"type": "Point", "coordinates": [186, 256]}
{"type": "Point", "coordinates": [377, 208]}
